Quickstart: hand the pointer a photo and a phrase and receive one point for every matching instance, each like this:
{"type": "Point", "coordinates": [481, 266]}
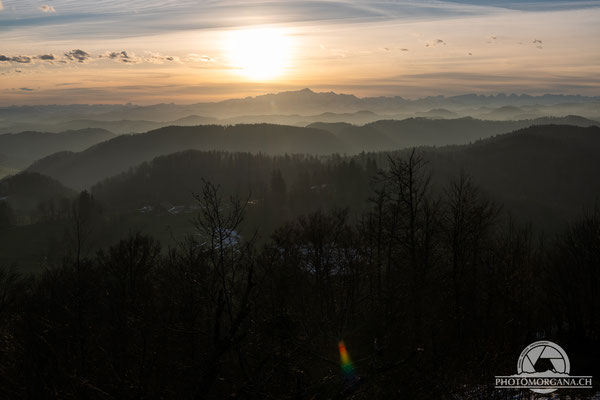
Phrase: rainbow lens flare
{"type": "Point", "coordinates": [347, 366]}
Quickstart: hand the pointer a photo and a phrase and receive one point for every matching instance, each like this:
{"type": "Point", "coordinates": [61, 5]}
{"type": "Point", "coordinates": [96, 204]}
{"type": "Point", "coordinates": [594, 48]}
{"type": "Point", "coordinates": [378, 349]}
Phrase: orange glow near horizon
{"type": "Point", "coordinates": [203, 51]}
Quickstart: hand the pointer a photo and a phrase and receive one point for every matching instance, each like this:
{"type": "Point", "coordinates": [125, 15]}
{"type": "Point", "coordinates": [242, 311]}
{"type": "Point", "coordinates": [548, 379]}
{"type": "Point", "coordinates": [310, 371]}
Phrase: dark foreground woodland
{"type": "Point", "coordinates": [433, 293]}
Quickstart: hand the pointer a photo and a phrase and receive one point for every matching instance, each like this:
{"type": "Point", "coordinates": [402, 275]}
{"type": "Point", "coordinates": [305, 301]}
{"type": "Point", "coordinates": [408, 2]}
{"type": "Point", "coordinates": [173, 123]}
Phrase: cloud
{"type": "Point", "coordinates": [119, 19]}
{"type": "Point", "coordinates": [121, 56]}
{"type": "Point", "coordinates": [157, 58]}
{"type": "Point", "coordinates": [78, 55]}
{"type": "Point", "coordinates": [20, 59]}
{"type": "Point", "coordinates": [47, 9]}
{"type": "Point", "coordinates": [199, 58]}
{"type": "Point", "coordinates": [46, 57]}
{"type": "Point", "coordinates": [131, 58]}
{"type": "Point", "coordinates": [82, 56]}
{"type": "Point", "coordinates": [1, 6]}
{"type": "Point", "coordinates": [435, 43]}
{"type": "Point", "coordinates": [16, 59]}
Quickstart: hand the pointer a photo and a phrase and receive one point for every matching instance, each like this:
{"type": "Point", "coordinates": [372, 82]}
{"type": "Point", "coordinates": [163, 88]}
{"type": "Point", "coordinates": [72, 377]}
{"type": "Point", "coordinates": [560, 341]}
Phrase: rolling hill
{"type": "Point", "coordinates": [544, 174]}
{"type": "Point", "coordinates": [26, 190]}
{"type": "Point", "coordinates": [21, 149]}
{"type": "Point", "coordinates": [83, 169]}
{"type": "Point", "coordinates": [394, 134]}
{"type": "Point", "coordinates": [125, 126]}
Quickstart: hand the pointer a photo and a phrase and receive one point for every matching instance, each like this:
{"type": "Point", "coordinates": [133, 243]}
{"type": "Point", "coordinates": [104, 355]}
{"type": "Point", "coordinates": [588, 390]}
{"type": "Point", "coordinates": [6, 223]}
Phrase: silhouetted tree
{"type": "Point", "coordinates": [278, 188]}
{"type": "Point", "coordinates": [7, 217]}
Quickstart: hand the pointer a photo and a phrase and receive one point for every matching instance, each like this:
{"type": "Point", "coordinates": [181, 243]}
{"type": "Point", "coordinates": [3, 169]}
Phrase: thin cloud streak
{"type": "Point", "coordinates": [47, 9]}
{"type": "Point", "coordinates": [114, 19]}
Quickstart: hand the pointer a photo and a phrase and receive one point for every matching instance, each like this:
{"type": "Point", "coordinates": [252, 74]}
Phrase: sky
{"type": "Point", "coordinates": [184, 51]}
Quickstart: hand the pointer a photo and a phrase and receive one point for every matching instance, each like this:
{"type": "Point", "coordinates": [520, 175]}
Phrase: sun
{"type": "Point", "coordinates": [259, 54]}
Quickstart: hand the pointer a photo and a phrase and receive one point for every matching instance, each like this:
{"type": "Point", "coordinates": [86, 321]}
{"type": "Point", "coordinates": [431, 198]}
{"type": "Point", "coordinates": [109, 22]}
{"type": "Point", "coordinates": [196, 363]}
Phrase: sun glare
{"type": "Point", "coordinates": [259, 54]}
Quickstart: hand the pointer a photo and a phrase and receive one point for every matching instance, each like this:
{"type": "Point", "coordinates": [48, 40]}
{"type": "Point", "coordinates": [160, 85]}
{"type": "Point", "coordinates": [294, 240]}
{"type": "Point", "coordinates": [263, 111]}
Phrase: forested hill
{"type": "Point", "coordinates": [27, 191]}
{"type": "Point", "coordinates": [544, 174]}
{"type": "Point", "coordinates": [385, 134]}
{"type": "Point", "coordinates": [21, 149]}
{"type": "Point", "coordinates": [80, 170]}
{"type": "Point", "coordinates": [437, 132]}
{"type": "Point", "coordinates": [83, 169]}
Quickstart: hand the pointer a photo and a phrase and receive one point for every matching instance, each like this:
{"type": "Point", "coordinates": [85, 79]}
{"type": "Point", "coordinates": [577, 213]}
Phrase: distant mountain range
{"type": "Point", "coordinates": [300, 108]}
{"type": "Point", "coordinates": [82, 169]}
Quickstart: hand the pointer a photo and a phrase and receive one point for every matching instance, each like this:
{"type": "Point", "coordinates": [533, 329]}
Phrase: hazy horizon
{"type": "Point", "coordinates": [489, 95]}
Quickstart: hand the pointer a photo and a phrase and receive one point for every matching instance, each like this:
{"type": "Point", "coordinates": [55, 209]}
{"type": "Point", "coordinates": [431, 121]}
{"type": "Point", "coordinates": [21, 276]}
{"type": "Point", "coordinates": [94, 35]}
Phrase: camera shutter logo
{"type": "Point", "coordinates": [543, 367]}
